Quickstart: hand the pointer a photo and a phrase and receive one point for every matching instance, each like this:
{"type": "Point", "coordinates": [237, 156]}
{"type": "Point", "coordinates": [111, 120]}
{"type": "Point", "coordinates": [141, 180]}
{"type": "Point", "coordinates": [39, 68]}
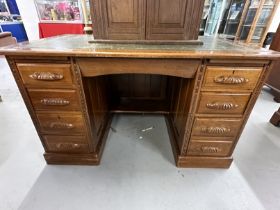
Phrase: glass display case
{"type": "Point", "coordinates": [62, 11]}
{"type": "Point", "coordinates": [232, 21]}
{"type": "Point", "coordinates": [214, 17]}
{"type": "Point", "coordinates": [205, 14]}
{"type": "Point", "coordinates": [257, 20]}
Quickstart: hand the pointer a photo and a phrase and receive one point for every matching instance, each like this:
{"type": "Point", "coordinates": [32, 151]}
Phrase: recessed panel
{"type": "Point", "coordinates": [121, 11]}
{"type": "Point", "coordinates": [173, 20]}
{"type": "Point", "coordinates": [173, 13]}
{"type": "Point", "coordinates": [120, 19]}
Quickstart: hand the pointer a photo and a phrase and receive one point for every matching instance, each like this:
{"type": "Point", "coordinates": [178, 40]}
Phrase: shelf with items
{"type": "Point", "coordinates": [232, 19]}
{"type": "Point", "coordinates": [59, 11]}
{"type": "Point", "coordinates": [10, 20]}
{"type": "Point", "coordinates": [7, 16]}
{"type": "Point", "coordinates": [254, 24]}
{"type": "Point", "coordinates": [59, 17]}
{"type": "Point", "coordinates": [4, 10]}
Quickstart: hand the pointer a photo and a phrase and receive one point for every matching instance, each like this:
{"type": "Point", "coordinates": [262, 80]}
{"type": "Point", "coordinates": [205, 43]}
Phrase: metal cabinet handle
{"type": "Point", "coordinates": [55, 102]}
{"type": "Point", "coordinates": [231, 80]}
{"type": "Point", "coordinates": [221, 106]}
{"type": "Point", "coordinates": [215, 130]}
{"type": "Point", "coordinates": [48, 76]}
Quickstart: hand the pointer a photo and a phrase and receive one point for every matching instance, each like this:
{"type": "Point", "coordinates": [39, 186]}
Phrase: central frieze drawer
{"type": "Point", "coordinates": [66, 144]}
{"type": "Point", "coordinates": [45, 75]}
{"type": "Point", "coordinates": [59, 100]}
{"type": "Point", "coordinates": [219, 127]}
{"type": "Point", "coordinates": [217, 77]}
{"type": "Point", "coordinates": [61, 123]}
{"type": "Point", "coordinates": [223, 103]}
{"type": "Point", "coordinates": [209, 148]}
{"type": "Point", "coordinates": [171, 67]}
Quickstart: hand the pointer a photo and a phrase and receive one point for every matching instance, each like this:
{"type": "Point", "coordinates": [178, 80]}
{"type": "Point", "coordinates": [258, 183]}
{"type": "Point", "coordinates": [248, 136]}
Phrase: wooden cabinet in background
{"type": "Point", "coordinates": [119, 19]}
{"type": "Point", "coordinates": [146, 19]}
{"type": "Point", "coordinates": [173, 20]}
{"type": "Point", "coordinates": [273, 80]}
{"type": "Point", "coordinates": [255, 21]}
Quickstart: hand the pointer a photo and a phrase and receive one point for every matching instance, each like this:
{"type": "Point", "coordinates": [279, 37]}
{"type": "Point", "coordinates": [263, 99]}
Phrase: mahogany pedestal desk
{"type": "Point", "coordinates": [71, 89]}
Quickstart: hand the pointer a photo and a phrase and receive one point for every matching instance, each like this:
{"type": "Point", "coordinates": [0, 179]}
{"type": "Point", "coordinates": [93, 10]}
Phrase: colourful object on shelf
{"type": "Point", "coordinates": [54, 29]}
{"type": "Point", "coordinates": [67, 11]}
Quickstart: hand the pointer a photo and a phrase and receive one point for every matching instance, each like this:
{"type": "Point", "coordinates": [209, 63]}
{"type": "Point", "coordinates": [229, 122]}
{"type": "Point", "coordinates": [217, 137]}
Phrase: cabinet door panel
{"type": "Point", "coordinates": [121, 11]}
{"type": "Point", "coordinates": [123, 19]}
{"type": "Point", "coordinates": [176, 19]}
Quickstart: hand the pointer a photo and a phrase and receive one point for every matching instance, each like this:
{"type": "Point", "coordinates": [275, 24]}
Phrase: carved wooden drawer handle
{"type": "Point", "coordinates": [210, 149]}
{"type": "Point", "coordinates": [221, 106]}
{"type": "Point", "coordinates": [67, 146]}
{"type": "Point", "coordinates": [231, 80]}
{"type": "Point", "coordinates": [215, 130]}
{"type": "Point", "coordinates": [55, 102]}
{"type": "Point", "coordinates": [46, 76]}
{"type": "Point", "coordinates": [61, 125]}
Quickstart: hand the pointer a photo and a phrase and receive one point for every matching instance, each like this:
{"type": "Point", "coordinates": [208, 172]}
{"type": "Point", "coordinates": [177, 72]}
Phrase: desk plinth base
{"type": "Point", "coordinates": [72, 159]}
{"type": "Point", "coordinates": [203, 162]}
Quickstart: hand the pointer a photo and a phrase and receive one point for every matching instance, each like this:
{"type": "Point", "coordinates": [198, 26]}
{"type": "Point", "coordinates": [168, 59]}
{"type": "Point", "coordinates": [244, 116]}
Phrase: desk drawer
{"type": "Point", "coordinates": [222, 103]}
{"type": "Point", "coordinates": [66, 144]}
{"type": "Point", "coordinates": [45, 75]}
{"type": "Point", "coordinates": [61, 123]}
{"type": "Point", "coordinates": [59, 100]}
{"type": "Point", "coordinates": [219, 127]}
{"type": "Point", "coordinates": [209, 148]}
{"type": "Point", "coordinates": [217, 77]}
{"type": "Point", "coordinates": [172, 67]}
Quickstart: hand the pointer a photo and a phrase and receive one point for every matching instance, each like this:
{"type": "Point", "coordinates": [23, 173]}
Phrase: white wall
{"type": "Point", "coordinates": [30, 18]}
{"type": "Point", "coordinates": [276, 20]}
